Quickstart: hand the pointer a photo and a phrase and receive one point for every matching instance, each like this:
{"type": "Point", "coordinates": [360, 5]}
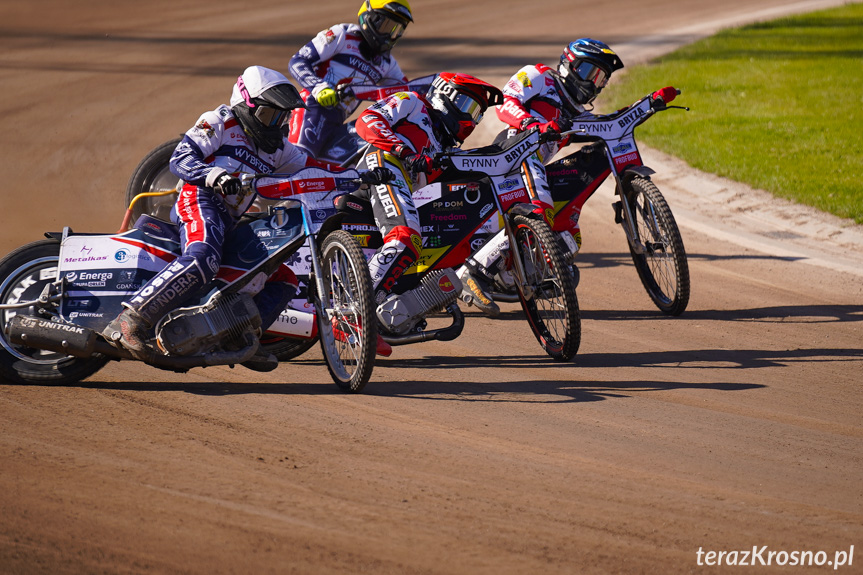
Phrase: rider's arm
{"type": "Point", "coordinates": [376, 130]}
{"type": "Point", "coordinates": [529, 85]}
{"type": "Point", "coordinates": [292, 158]}
{"type": "Point", "coordinates": [513, 113]}
{"type": "Point", "coordinates": [394, 125]}
{"type": "Point", "coordinates": [321, 48]}
{"type": "Point", "coordinates": [188, 162]}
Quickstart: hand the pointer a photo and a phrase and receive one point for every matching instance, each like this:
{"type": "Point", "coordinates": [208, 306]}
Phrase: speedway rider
{"type": "Point", "coordinates": [405, 131]}
{"type": "Point", "coordinates": [342, 54]}
{"type": "Point", "coordinates": [243, 137]}
{"type": "Point", "coordinates": [540, 97]}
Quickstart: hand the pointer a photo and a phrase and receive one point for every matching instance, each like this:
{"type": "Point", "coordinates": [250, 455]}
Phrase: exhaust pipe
{"type": "Point", "coordinates": [448, 333]}
{"type": "Point", "coordinates": [83, 342]}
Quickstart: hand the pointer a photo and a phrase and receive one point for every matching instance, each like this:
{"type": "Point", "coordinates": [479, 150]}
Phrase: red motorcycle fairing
{"type": "Point", "coordinates": [450, 213]}
{"type": "Point", "coordinates": [573, 180]}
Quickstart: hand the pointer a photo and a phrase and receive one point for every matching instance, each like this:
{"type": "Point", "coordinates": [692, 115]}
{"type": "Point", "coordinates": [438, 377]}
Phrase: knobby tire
{"type": "Point", "coordinates": [350, 356]}
{"type": "Point", "coordinates": [552, 312]}
{"type": "Point", "coordinates": [663, 267]}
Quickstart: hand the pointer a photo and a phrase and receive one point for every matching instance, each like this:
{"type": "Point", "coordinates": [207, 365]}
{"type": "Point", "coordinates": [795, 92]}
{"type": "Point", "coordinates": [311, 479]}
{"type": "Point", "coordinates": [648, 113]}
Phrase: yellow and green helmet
{"type": "Point", "coordinates": [382, 22]}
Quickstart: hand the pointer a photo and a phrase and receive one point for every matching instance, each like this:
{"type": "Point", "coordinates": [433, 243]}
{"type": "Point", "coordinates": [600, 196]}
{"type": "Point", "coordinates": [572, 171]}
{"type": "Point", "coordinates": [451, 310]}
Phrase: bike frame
{"type": "Point", "coordinates": [615, 132]}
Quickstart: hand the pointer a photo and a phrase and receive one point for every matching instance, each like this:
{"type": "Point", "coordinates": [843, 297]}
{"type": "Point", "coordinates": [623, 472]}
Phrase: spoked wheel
{"type": "Point", "coordinates": [552, 310]}
{"type": "Point", "coordinates": [24, 273]}
{"type": "Point", "coordinates": [347, 323]}
{"type": "Point", "coordinates": [154, 175]}
{"type": "Point", "coordinates": [662, 267]}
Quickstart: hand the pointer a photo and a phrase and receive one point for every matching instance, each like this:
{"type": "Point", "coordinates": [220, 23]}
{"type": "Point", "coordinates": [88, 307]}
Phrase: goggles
{"type": "Point", "coordinates": [467, 105]}
{"type": "Point", "coordinates": [270, 116]}
{"type": "Point", "coordinates": [590, 72]}
{"type": "Point", "coordinates": [385, 26]}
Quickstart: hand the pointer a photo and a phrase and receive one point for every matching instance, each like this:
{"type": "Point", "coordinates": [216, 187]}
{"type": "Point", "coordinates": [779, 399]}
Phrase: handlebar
{"type": "Point", "coordinates": [374, 92]}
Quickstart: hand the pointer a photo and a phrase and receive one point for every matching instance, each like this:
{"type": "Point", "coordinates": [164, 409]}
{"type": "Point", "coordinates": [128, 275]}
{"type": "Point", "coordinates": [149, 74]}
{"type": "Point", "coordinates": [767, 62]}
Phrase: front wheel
{"type": "Point", "coordinates": [24, 273]}
{"type": "Point", "coordinates": [662, 264]}
{"type": "Point", "coordinates": [346, 318]}
{"type": "Point", "coordinates": [552, 308]}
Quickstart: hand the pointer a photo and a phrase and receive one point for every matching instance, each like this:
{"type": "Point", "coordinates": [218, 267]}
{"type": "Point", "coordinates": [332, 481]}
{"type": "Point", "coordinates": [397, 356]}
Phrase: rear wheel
{"type": "Point", "coordinates": [24, 273]}
{"type": "Point", "coordinates": [154, 175]}
{"type": "Point", "coordinates": [552, 309]}
{"type": "Point", "coordinates": [662, 267]}
{"type": "Point", "coordinates": [347, 323]}
{"type": "Point", "coordinates": [287, 348]}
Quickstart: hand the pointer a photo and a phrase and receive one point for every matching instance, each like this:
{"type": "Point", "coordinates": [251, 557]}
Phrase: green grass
{"type": "Point", "coordinates": [775, 105]}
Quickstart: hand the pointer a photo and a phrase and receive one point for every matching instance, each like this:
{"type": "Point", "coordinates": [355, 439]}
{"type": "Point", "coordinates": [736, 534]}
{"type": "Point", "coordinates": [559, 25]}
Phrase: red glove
{"type": "Point", "coordinates": [667, 94]}
{"type": "Point", "coordinates": [533, 122]}
{"type": "Point", "coordinates": [419, 163]}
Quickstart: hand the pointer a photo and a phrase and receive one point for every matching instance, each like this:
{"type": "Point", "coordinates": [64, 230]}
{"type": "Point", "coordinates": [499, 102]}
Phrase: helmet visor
{"type": "Point", "coordinates": [386, 27]}
{"type": "Point", "coordinates": [270, 116]}
{"type": "Point", "coordinates": [590, 72]}
{"type": "Point", "coordinates": [467, 105]}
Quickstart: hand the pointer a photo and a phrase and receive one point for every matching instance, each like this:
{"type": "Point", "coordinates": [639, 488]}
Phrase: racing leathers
{"type": "Point", "coordinates": [214, 147]}
{"type": "Point", "coordinates": [403, 134]}
{"type": "Point", "coordinates": [336, 56]}
{"type": "Point", "coordinates": [533, 98]}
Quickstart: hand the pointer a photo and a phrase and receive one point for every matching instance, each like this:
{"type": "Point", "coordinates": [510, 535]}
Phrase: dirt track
{"type": "Point", "coordinates": [733, 426]}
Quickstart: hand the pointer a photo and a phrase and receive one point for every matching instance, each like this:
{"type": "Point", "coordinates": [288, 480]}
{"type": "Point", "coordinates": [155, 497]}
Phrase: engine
{"type": "Point", "coordinates": [224, 321]}
{"type": "Point", "coordinates": [399, 313]}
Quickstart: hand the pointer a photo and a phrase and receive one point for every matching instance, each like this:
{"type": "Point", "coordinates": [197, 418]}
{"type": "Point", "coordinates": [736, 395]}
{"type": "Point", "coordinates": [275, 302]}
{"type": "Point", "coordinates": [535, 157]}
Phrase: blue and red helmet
{"type": "Point", "coordinates": [585, 66]}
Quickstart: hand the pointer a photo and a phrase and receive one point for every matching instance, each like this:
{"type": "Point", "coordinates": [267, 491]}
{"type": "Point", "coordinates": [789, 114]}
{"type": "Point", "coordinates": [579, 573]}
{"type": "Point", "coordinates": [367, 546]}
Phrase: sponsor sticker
{"type": "Point", "coordinates": [445, 285]}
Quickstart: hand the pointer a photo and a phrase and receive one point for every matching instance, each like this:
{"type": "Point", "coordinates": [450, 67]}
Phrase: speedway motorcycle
{"type": "Point", "coordinates": [152, 189]}
{"type": "Point", "coordinates": [476, 185]}
{"type": "Point", "coordinates": [58, 294]}
{"type": "Point", "coordinates": [654, 239]}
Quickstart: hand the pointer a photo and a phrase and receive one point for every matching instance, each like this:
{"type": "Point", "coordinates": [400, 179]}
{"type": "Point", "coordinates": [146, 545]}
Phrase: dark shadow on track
{"type": "Point", "coordinates": [537, 391]}
{"type": "Point", "coordinates": [774, 314]}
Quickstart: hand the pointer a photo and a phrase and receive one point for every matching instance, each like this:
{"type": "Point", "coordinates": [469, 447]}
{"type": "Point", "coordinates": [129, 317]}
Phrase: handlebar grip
{"type": "Point", "coordinates": [549, 136]}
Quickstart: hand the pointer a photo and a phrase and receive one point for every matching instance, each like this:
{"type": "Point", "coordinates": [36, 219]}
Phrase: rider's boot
{"type": "Point", "coordinates": [475, 289]}
{"type": "Point", "coordinates": [128, 331]}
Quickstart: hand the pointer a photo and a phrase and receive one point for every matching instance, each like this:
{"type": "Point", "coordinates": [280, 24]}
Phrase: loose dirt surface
{"type": "Point", "coordinates": [735, 425]}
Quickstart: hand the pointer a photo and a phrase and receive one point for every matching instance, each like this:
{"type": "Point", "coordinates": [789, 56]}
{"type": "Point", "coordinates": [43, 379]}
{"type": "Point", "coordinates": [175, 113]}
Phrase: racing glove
{"type": "Point", "coordinates": [327, 97]}
{"type": "Point", "coordinates": [548, 127]}
{"type": "Point", "coordinates": [419, 163]}
{"type": "Point", "coordinates": [376, 176]}
{"type": "Point", "coordinates": [665, 95]}
{"type": "Point", "coordinates": [227, 185]}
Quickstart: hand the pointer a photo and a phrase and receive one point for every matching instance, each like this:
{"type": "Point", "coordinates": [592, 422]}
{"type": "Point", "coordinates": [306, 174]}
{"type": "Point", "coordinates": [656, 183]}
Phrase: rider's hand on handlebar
{"type": "Point", "coordinates": [327, 98]}
{"type": "Point", "coordinates": [550, 130]}
{"type": "Point", "coordinates": [227, 185]}
{"type": "Point", "coordinates": [376, 176]}
{"type": "Point", "coordinates": [664, 95]}
{"type": "Point", "coordinates": [419, 163]}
